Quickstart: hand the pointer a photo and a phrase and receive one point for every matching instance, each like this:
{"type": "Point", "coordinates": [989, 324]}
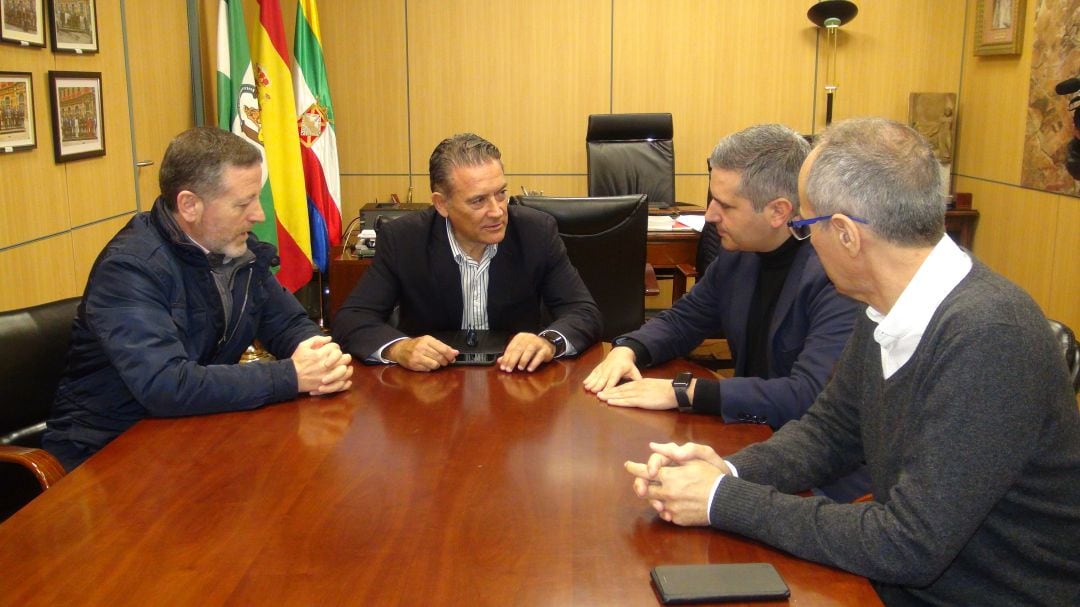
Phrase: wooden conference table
{"type": "Point", "coordinates": [462, 487]}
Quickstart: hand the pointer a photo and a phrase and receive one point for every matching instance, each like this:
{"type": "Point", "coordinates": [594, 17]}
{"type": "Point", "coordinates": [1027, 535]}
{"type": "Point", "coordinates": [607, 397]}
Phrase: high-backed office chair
{"type": "Point", "coordinates": [33, 348]}
{"type": "Point", "coordinates": [605, 240]}
{"type": "Point", "coordinates": [1067, 339]}
{"type": "Point", "coordinates": [631, 154]}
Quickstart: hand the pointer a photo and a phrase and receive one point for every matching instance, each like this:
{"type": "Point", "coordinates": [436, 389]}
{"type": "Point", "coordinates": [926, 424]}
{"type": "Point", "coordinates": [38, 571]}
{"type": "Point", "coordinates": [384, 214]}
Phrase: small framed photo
{"type": "Point", "coordinates": [999, 27]}
{"type": "Point", "coordinates": [17, 127]}
{"type": "Point", "coordinates": [77, 115]}
{"type": "Point", "coordinates": [22, 22]}
{"type": "Point", "coordinates": [73, 26]}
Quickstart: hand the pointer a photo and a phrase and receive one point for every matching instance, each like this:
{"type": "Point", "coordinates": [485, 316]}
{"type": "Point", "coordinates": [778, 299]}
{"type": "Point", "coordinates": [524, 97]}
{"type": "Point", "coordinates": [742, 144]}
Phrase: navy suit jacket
{"type": "Point", "coordinates": [531, 282]}
{"type": "Point", "coordinates": [807, 332]}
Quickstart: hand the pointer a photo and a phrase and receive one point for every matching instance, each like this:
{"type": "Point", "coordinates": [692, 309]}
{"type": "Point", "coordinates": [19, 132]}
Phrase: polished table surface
{"type": "Point", "coordinates": [462, 487]}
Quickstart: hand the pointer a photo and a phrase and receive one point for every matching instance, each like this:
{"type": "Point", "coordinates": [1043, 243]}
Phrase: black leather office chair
{"type": "Point", "coordinates": [605, 240]}
{"type": "Point", "coordinates": [33, 348]}
{"type": "Point", "coordinates": [631, 154]}
{"type": "Point", "coordinates": [1067, 340]}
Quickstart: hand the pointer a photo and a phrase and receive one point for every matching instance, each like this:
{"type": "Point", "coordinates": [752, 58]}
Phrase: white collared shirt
{"type": "Point", "coordinates": [899, 332]}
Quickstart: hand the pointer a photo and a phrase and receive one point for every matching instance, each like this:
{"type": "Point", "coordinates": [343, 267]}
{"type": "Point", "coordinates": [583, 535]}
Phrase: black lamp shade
{"type": "Point", "coordinates": [832, 9]}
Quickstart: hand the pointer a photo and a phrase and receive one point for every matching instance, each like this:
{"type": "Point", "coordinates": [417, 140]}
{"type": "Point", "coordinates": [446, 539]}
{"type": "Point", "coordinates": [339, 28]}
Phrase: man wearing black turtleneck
{"type": "Point", "coordinates": [785, 323]}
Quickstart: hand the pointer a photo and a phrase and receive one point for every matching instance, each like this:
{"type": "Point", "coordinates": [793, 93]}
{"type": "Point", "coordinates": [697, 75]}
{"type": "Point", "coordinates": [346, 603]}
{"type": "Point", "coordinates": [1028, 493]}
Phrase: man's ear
{"type": "Point", "coordinates": [778, 212]}
{"type": "Point", "coordinates": [847, 232]}
{"type": "Point", "coordinates": [189, 206]}
{"type": "Point", "coordinates": [441, 203]}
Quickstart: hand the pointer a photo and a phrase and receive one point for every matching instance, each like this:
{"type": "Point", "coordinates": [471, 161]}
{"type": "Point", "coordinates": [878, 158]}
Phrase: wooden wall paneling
{"type": "Point", "coordinates": [87, 243]}
{"type": "Point", "coordinates": [892, 49]}
{"type": "Point", "coordinates": [992, 117]}
{"type": "Point", "coordinates": [1013, 236]}
{"type": "Point", "coordinates": [104, 186]}
{"type": "Point", "coordinates": [716, 66]}
{"type": "Point", "coordinates": [33, 193]}
{"type": "Point", "coordinates": [550, 185]}
{"type": "Point", "coordinates": [161, 76]}
{"type": "Point", "coordinates": [693, 189]}
{"type": "Point", "coordinates": [1064, 303]}
{"type": "Point", "coordinates": [364, 46]}
{"type": "Point", "coordinates": [524, 75]}
{"type": "Point", "coordinates": [37, 272]}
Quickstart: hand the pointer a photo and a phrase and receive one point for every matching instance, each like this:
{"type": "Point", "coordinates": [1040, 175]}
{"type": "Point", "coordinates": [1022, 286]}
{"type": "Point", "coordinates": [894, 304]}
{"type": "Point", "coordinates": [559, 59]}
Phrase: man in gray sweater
{"type": "Point", "coordinates": [951, 388]}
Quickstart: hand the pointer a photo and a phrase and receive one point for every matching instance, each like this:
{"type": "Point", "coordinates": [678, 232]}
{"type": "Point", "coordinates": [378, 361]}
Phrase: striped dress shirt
{"type": "Point", "coordinates": [474, 283]}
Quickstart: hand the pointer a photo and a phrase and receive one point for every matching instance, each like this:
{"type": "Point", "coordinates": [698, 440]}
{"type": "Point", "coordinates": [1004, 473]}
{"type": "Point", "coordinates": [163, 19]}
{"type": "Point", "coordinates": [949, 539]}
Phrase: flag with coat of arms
{"type": "Point", "coordinates": [277, 110]}
{"type": "Point", "coordinates": [237, 103]}
{"type": "Point", "coordinates": [315, 126]}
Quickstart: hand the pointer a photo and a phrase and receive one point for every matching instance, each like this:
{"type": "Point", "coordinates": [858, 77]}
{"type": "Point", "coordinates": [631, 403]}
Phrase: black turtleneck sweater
{"type": "Point", "coordinates": [775, 266]}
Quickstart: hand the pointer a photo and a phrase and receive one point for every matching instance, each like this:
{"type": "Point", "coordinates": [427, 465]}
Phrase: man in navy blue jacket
{"type": "Point", "coordinates": [174, 300]}
{"type": "Point", "coordinates": [766, 290]}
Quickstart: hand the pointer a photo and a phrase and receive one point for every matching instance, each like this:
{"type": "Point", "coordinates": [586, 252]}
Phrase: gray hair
{"type": "Point", "coordinates": [463, 149]}
{"type": "Point", "coordinates": [767, 158]}
{"type": "Point", "coordinates": [196, 159]}
{"type": "Point", "coordinates": [883, 172]}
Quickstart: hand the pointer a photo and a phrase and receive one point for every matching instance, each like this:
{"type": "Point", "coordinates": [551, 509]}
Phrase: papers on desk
{"type": "Point", "coordinates": [667, 223]}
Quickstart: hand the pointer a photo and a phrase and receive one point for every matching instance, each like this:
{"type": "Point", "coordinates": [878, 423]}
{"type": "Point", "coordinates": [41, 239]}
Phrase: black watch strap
{"type": "Point", "coordinates": [681, 384]}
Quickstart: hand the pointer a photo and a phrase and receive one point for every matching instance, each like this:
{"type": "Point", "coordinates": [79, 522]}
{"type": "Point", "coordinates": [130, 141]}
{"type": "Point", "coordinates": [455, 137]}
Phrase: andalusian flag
{"type": "Point", "coordinates": [282, 144]}
{"type": "Point", "coordinates": [238, 107]}
{"type": "Point", "coordinates": [316, 127]}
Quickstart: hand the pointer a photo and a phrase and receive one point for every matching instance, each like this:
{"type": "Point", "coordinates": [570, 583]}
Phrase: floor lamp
{"type": "Point", "coordinates": [831, 14]}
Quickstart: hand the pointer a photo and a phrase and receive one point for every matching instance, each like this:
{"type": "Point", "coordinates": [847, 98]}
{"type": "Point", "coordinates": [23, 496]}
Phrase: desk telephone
{"type": "Point", "coordinates": [375, 214]}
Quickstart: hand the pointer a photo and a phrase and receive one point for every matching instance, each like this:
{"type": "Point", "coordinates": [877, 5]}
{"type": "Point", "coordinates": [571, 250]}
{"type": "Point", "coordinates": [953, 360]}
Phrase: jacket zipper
{"type": "Point", "coordinates": [226, 336]}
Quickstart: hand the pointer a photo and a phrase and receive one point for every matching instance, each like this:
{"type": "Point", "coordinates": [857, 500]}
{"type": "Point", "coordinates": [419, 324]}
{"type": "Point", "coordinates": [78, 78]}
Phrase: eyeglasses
{"type": "Point", "coordinates": [800, 228]}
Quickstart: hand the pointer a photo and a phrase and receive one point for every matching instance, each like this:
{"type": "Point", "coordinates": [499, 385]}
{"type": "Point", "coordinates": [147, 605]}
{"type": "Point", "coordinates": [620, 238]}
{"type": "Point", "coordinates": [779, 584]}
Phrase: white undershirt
{"type": "Point", "coordinates": [900, 331]}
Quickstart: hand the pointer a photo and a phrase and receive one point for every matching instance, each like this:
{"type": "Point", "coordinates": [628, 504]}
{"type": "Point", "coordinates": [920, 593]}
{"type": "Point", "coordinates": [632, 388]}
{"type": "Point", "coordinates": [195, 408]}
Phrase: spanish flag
{"type": "Point", "coordinates": [315, 123]}
{"type": "Point", "coordinates": [281, 143]}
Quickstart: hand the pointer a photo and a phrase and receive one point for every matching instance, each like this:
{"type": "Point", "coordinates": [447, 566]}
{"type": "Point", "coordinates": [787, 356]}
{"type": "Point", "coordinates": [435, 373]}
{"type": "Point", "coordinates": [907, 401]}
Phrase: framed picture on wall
{"type": "Point", "coordinates": [22, 22]}
{"type": "Point", "coordinates": [77, 115]}
{"type": "Point", "coordinates": [999, 27]}
{"type": "Point", "coordinates": [17, 128]}
{"type": "Point", "coordinates": [73, 25]}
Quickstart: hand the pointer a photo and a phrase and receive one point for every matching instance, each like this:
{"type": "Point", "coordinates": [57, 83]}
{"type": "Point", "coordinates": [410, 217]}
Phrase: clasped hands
{"type": "Point", "coordinates": [525, 352]}
{"type": "Point", "coordinates": [321, 366]}
{"type": "Point", "coordinates": [677, 480]}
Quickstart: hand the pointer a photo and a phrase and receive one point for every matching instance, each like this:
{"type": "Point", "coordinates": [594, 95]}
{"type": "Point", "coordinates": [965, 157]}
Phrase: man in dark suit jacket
{"type": "Point", "coordinates": [469, 262]}
{"type": "Point", "coordinates": [766, 290]}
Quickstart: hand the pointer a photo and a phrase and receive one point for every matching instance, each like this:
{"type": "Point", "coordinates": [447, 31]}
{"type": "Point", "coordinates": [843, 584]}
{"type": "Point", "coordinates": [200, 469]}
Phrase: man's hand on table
{"type": "Point", "coordinates": [616, 366]}
{"type": "Point", "coordinates": [424, 353]}
{"type": "Point", "coordinates": [526, 352]}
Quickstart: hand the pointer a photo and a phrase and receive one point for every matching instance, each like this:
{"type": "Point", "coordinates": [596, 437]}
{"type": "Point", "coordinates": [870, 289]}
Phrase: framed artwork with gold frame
{"type": "Point", "coordinates": [999, 27]}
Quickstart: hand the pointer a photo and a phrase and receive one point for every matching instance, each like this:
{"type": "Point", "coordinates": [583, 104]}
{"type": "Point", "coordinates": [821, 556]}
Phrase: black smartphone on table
{"type": "Point", "coordinates": [718, 583]}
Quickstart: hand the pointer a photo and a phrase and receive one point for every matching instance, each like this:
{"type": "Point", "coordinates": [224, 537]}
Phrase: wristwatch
{"type": "Point", "coordinates": [556, 340]}
{"type": "Point", "coordinates": [681, 384]}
